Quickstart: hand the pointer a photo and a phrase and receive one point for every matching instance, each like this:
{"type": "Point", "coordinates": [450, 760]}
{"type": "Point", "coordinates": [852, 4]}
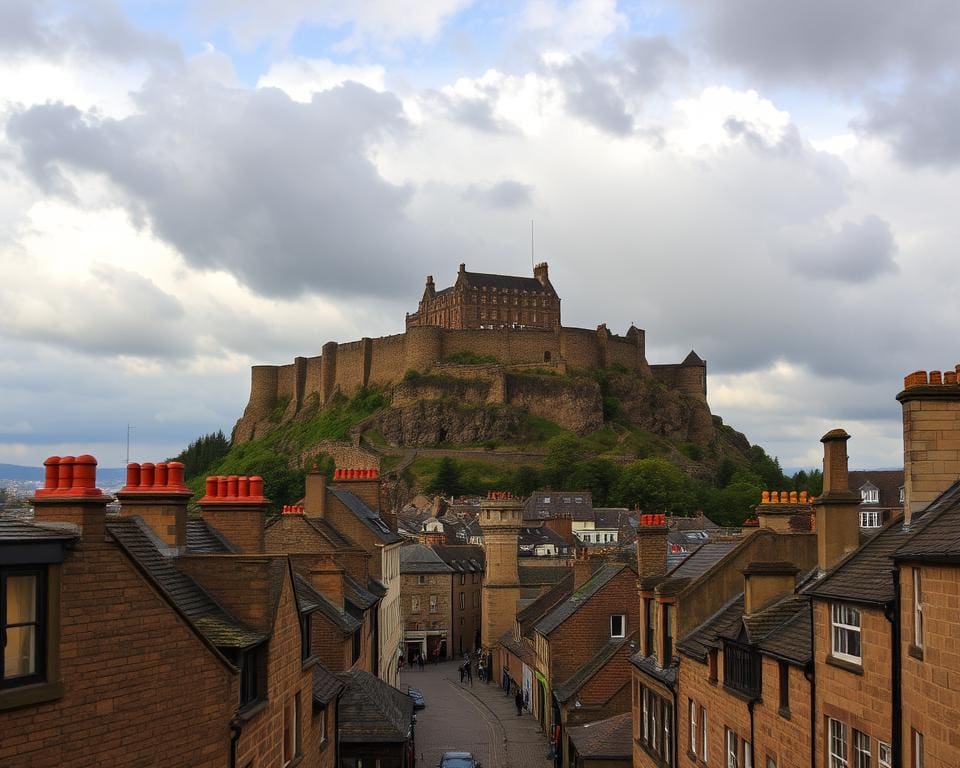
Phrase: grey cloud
{"type": "Point", "coordinates": [504, 194]}
{"type": "Point", "coordinates": [474, 112]}
{"type": "Point", "coordinates": [857, 253]}
{"type": "Point", "coordinates": [281, 194]}
{"type": "Point", "coordinates": [920, 122]}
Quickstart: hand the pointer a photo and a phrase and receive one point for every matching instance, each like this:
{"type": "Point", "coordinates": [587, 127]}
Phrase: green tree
{"type": "Point", "coordinates": [448, 480]}
{"type": "Point", "coordinates": [525, 481]}
{"type": "Point", "coordinates": [203, 454]}
{"type": "Point", "coordinates": [653, 485]}
{"type": "Point", "coordinates": [597, 476]}
{"type": "Point", "coordinates": [811, 482]}
{"type": "Point", "coordinates": [564, 452]}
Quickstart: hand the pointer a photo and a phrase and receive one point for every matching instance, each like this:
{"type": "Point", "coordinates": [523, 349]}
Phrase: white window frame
{"type": "Point", "coordinates": [842, 631]}
{"type": "Point", "coordinates": [732, 754]}
{"type": "Point", "coordinates": [862, 757]}
{"type": "Point", "coordinates": [414, 603]}
{"type": "Point", "coordinates": [692, 722]}
{"type": "Point", "coordinates": [703, 734]}
{"type": "Point", "coordinates": [837, 741]}
{"type": "Point", "coordinates": [870, 496]}
{"type": "Point", "coordinates": [433, 603]}
{"type": "Point", "coordinates": [870, 518]}
{"type": "Point", "coordinates": [623, 624]}
{"type": "Point", "coordinates": [917, 749]}
{"type": "Point", "coordinates": [884, 755]}
{"type": "Point", "coordinates": [421, 579]}
{"type": "Point", "coordinates": [747, 754]}
{"type": "Point", "coordinates": [645, 695]}
{"type": "Point", "coordinates": [917, 608]}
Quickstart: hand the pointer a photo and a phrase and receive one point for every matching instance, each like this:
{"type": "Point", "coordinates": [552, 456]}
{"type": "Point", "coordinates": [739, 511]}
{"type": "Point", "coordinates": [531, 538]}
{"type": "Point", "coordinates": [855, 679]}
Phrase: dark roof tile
{"type": "Point", "coordinates": [603, 576]}
{"type": "Point", "coordinates": [610, 739]}
{"type": "Point", "coordinates": [366, 515]}
{"type": "Point", "coordinates": [372, 711]}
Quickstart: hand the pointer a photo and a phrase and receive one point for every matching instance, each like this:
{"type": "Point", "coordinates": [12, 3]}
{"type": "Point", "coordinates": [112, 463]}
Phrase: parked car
{"type": "Point", "coordinates": [417, 695]}
{"type": "Point", "coordinates": [458, 760]}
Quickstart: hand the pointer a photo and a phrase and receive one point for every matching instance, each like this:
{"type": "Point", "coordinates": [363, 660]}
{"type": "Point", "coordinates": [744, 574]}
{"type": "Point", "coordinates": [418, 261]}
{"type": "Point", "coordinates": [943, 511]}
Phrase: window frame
{"type": "Point", "coordinates": [732, 742]}
{"type": "Point", "coordinates": [40, 625]}
{"type": "Point", "coordinates": [862, 754]}
{"type": "Point", "coordinates": [837, 735]}
{"type": "Point", "coordinates": [844, 629]}
{"type": "Point", "coordinates": [692, 725]}
{"type": "Point", "coordinates": [884, 755]}
{"type": "Point", "coordinates": [870, 518]}
{"type": "Point", "coordinates": [783, 672]}
{"type": "Point", "coordinates": [917, 607]}
{"type": "Point", "coordinates": [704, 752]}
{"type": "Point", "coordinates": [623, 625]}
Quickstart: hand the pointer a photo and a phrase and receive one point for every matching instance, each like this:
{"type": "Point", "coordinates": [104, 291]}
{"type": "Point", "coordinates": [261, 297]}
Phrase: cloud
{"type": "Point", "coordinates": [572, 26]}
{"type": "Point", "coordinates": [283, 195]}
{"type": "Point", "coordinates": [504, 194]}
{"type": "Point", "coordinates": [300, 78]}
{"type": "Point", "coordinates": [856, 253]}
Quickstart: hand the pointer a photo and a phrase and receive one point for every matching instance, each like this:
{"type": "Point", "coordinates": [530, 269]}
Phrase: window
{"type": "Point", "coordinates": [22, 612]}
{"type": "Point", "coordinates": [297, 721]}
{"type": "Point", "coordinates": [901, 494]}
{"type": "Point", "coordinates": [771, 762]}
{"type": "Point", "coordinates": [692, 721]}
{"type": "Point", "coordinates": [433, 603]}
{"type": "Point", "coordinates": [463, 579]}
{"type": "Point", "coordinates": [741, 668]}
{"type": "Point", "coordinates": [414, 604]}
{"type": "Point", "coordinates": [845, 621]}
{"type": "Point", "coordinates": [869, 495]}
{"type": "Point", "coordinates": [838, 744]}
{"type": "Point", "coordinates": [703, 734]}
{"type": "Point", "coordinates": [586, 538]}
{"type": "Point", "coordinates": [732, 761]}
{"type": "Point", "coordinates": [917, 608]}
{"type": "Point", "coordinates": [784, 688]}
{"type": "Point", "coordinates": [288, 734]}
{"type": "Point", "coordinates": [870, 519]}
{"type": "Point", "coordinates": [861, 750]}
{"type": "Point", "coordinates": [618, 625]}
{"type": "Point", "coordinates": [462, 604]}
{"type": "Point", "coordinates": [648, 630]}
{"type": "Point", "coordinates": [884, 753]}
{"type": "Point", "coordinates": [917, 749]}
{"type": "Point", "coordinates": [323, 726]}
{"type": "Point", "coordinates": [250, 661]}
{"type": "Point", "coordinates": [747, 751]}
{"type": "Point", "coordinates": [646, 714]}
{"type": "Point", "coordinates": [357, 645]}
{"type": "Point", "coordinates": [667, 635]}
{"type": "Point", "coordinates": [657, 725]}
{"type": "Point", "coordinates": [421, 579]}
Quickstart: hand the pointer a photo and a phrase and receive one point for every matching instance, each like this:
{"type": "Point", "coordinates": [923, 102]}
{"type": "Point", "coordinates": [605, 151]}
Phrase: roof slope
{"type": "Point", "coordinates": [578, 505]}
{"type": "Point", "coordinates": [569, 687]}
{"type": "Point", "coordinates": [506, 282]}
{"type": "Point", "coordinates": [887, 481]}
{"type": "Point", "coordinates": [354, 592]}
{"type": "Point", "coordinates": [940, 537]}
{"type": "Point", "coordinates": [603, 576]}
{"type": "Point", "coordinates": [188, 597]}
{"type": "Point", "coordinates": [326, 685]}
{"type": "Point", "coordinates": [701, 561]}
{"type": "Point", "coordinates": [14, 529]}
{"type": "Point", "coordinates": [310, 599]}
{"type": "Point", "coordinates": [204, 539]}
{"type": "Point", "coordinates": [372, 711]}
{"type": "Point", "coordinates": [416, 558]}
{"type": "Point", "coordinates": [610, 739]}
{"type": "Point", "coordinates": [468, 558]}
{"type": "Point", "coordinates": [366, 515]}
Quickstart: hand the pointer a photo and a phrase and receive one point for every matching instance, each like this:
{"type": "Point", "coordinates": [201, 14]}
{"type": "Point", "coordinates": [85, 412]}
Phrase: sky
{"type": "Point", "coordinates": [191, 188]}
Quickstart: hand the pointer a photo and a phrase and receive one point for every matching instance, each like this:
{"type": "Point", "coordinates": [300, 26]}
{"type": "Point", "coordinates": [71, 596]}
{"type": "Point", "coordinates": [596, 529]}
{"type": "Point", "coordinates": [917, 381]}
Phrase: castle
{"type": "Point", "coordinates": [513, 320]}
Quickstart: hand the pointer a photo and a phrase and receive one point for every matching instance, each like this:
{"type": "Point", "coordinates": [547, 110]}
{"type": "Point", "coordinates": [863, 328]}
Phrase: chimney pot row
{"type": "Point", "coordinates": [785, 497]}
{"type": "Point", "coordinates": [292, 509]}
{"type": "Point", "coordinates": [234, 489]}
{"type": "Point", "coordinates": [499, 495]}
{"type": "Point", "coordinates": [356, 474]}
{"type": "Point", "coordinates": [154, 478]}
{"type": "Point", "coordinates": [933, 378]}
{"type": "Point", "coordinates": [70, 476]}
{"type": "Point", "coordinates": [653, 519]}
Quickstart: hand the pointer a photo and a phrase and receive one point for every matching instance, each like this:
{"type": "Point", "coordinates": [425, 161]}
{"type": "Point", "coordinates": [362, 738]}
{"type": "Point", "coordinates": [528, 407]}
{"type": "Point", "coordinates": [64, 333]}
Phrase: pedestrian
{"type": "Point", "coordinates": [518, 700]}
{"type": "Point", "coordinates": [469, 672]}
{"type": "Point", "coordinates": [462, 672]}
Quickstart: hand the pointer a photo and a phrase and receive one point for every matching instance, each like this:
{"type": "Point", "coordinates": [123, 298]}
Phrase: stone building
{"type": "Point", "coordinates": [479, 300]}
{"type": "Point", "coordinates": [466, 583]}
{"type": "Point", "coordinates": [425, 607]}
{"type": "Point", "coordinates": [501, 518]}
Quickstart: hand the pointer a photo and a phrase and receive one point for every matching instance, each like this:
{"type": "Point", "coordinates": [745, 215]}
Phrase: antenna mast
{"type": "Point", "coordinates": [128, 442]}
{"type": "Point", "coordinates": [533, 263]}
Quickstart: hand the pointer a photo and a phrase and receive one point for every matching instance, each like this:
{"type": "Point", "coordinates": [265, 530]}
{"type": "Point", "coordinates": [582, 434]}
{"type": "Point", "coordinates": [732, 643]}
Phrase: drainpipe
{"type": "Point", "coordinates": [236, 728]}
{"type": "Point", "coordinates": [808, 673]}
{"type": "Point", "coordinates": [897, 724]}
{"type": "Point", "coordinates": [750, 705]}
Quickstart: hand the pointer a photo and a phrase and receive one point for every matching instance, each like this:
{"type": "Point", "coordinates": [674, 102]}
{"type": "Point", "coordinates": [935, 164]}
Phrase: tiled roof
{"type": "Point", "coordinates": [532, 537]}
{"type": "Point", "coordinates": [566, 609]}
{"type": "Point", "coordinates": [548, 600]}
{"type": "Point", "coordinates": [188, 597]}
{"type": "Point", "coordinates": [578, 505]}
{"type": "Point", "coordinates": [312, 600]}
{"type": "Point", "coordinates": [506, 282]}
{"type": "Point", "coordinates": [648, 665]}
{"type": "Point", "coordinates": [372, 711]}
{"type": "Point", "coordinates": [519, 648]}
{"type": "Point", "coordinates": [203, 539]}
{"type": "Point", "coordinates": [940, 537]}
{"type": "Point", "coordinates": [693, 359]}
{"type": "Point", "coordinates": [607, 517]}
{"type": "Point", "coordinates": [468, 558]}
{"type": "Point", "coordinates": [704, 559]}
{"type": "Point", "coordinates": [13, 529]}
{"type": "Point", "coordinates": [610, 739]}
{"type": "Point", "coordinates": [887, 481]}
{"type": "Point", "coordinates": [791, 640]}
{"type": "Point", "coordinates": [354, 592]}
{"type": "Point", "coordinates": [698, 642]}
{"type": "Point", "coordinates": [322, 526]}
{"type": "Point", "coordinates": [568, 688]}
{"type": "Point", "coordinates": [541, 574]}
{"type": "Point", "coordinates": [761, 624]}
{"type": "Point", "coordinates": [326, 685]}
{"type": "Point", "coordinates": [367, 516]}
{"type": "Point", "coordinates": [416, 558]}
{"type": "Point", "coordinates": [377, 588]}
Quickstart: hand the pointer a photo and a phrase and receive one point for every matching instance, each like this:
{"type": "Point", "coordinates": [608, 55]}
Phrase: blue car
{"type": "Point", "coordinates": [458, 760]}
{"type": "Point", "coordinates": [417, 695]}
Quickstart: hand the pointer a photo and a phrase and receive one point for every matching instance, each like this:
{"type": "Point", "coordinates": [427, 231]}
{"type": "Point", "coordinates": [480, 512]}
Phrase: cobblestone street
{"type": "Point", "coordinates": [480, 719]}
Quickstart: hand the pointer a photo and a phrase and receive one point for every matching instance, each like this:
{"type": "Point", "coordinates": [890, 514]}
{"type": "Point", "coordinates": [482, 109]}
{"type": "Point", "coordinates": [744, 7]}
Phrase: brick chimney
{"type": "Point", "coordinates": [583, 570]}
{"type": "Point", "coordinates": [235, 506]}
{"type": "Point", "coordinates": [315, 497]}
{"type": "Point", "coordinates": [651, 546]}
{"type": "Point", "coordinates": [431, 289]}
{"type": "Point", "coordinates": [837, 509]}
{"type": "Point", "coordinates": [159, 496]}
{"type": "Point", "coordinates": [540, 272]}
{"type": "Point", "coordinates": [70, 495]}
{"type": "Point", "coordinates": [931, 437]}
{"type": "Point", "coordinates": [766, 582]}
{"type": "Point", "coordinates": [362, 483]}
{"type": "Point", "coordinates": [327, 579]}
{"type": "Point", "coordinates": [778, 510]}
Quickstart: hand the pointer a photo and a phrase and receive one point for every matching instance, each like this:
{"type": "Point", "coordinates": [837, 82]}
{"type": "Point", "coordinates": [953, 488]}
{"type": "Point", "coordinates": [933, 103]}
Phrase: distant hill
{"type": "Point", "coordinates": [18, 472]}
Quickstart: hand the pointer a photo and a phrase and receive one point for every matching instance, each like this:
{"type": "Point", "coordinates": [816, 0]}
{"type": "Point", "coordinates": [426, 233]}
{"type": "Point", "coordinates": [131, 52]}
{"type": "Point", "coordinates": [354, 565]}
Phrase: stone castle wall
{"type": "Point", "coordinates": [348, 367]}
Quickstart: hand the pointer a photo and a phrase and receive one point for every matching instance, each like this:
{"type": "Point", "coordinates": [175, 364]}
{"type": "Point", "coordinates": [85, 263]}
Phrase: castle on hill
{"type": "Point", "coordinates": [510, 319]}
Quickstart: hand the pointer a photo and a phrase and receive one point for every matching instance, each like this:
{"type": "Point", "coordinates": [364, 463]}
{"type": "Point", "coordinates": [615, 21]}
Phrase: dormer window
{"type": "Point", "coordinates": [901, 494]}
{"type": "Point", "coordinates": [869, 494]}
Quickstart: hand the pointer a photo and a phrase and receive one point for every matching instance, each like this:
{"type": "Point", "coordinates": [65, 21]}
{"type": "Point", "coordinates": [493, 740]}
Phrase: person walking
{"type": "Point", "coordinates": [518, 700]}
{"type": "Point", "coordinates": [462, 671]}
{"type": "Point", "coordinates": [469, 672]}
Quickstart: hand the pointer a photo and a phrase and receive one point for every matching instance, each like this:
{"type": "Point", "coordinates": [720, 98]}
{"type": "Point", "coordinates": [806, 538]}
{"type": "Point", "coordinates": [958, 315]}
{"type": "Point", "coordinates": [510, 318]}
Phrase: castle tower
{"type": "Point", "coordinates": [501, 517]}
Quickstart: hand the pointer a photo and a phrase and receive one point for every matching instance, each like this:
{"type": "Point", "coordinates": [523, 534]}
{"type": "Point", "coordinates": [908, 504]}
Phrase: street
{"type": "Point", "coordinates": [480, 719]}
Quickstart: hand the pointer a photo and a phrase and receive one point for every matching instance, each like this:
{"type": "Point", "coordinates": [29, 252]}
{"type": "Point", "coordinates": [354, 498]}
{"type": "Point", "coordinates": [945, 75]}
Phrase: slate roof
{"type": "Point", "coordinates": [204, 539]}
{"type": "Point", "coordinates": [648, 665]}
{"type": "Point", "coordinates": [699, 522]}
{"type": "Point", "coordinates": [578, 505]}
{"type": "Point", "coordinates": [693, 359]}
{"type": "Point", "coordinates": [566, 609]}
{"type": "Point", "coordinates": [354, 592]}
{"type": "Point", "coordinates": [416, 558]}
{"type": "Point", "coordinates": [791, 640]}
{"type": "Point", "coordinates": [701, 561]}
{"type": "Point", "coordinates": [372, 711]}
{"type": "Point", "coordinates": [940, 538]}
{"type": "Point", "coordinates": [548, 600]}
{"type": "Point", "coordinates": [887, 481]}
{"type": "Point", "coordinates": [518, 648]}
{"type": "Point", "coordinates": [506, 282]}
{"type": "Point", "coordinates": [310, 599]}
{"type": "Point", "coordinates": [377, 588]}
{"type": "Point", "coordinates": [534, 575]}
{"type": "Point", "coordinates": [13, 529]}
{"type": "Point", "coordinates": [534, 537]}
{"type": "Point", "coordinates": [610, 739]}
{"type": "Point", "coordinates": [322, 526]}
{"type": "Point", "coordinates": [704, 637]}
{"type": "Point", "coordinates": [326, 685]}
{"type": "Point", "coordinates": [569, 687]}
{"type": "Point", "coordinates": [367, 516]}
{"type": "Point", "coordinates": [188, 597]}
{"type": "Point", "coordinates": [463, 558]}
{"type": "Point", "coordinates": [607, 517]}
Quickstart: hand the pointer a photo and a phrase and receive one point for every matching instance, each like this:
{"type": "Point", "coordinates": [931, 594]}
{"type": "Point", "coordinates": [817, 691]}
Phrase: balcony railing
{"type": "Point", "coordinates": [741, 668]}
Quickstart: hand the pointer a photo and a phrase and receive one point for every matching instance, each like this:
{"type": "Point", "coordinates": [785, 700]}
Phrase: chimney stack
{"type": "Point", "coordinates": [931, 437]}
{"type": "Point", "coordinates": [838, 508]}
{"type": "Point", "coordinates": [315, 497]}
{"type": "Point", "coordinates": [766, 582]}
{"type": "Point", "coordinates": [235, 506]}
{"type": "Point", "coordinates": [70, 495]}
{"type": "Point", "coordinates": [540, 272]}
{"type": "Point", "coordinates": [583, 570]}
{"type": "Point", "coordinates": [159, 496]}
{"type": "Point", "coordinates": [785, 511]}
{"type": "Point", "coordinates": [327, 579]}
{"type": "Point", "coordinates": [651, 546]}
{"type": "Point", "coordinates": [362, 483]}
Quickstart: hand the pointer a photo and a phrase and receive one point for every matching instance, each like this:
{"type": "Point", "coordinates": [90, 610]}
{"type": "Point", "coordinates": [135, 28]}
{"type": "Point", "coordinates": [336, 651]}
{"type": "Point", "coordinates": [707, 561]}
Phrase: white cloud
{"type": "Point", "coordinates": [572, 26]}
{"type": "Point", "coordinates": [300, 78]}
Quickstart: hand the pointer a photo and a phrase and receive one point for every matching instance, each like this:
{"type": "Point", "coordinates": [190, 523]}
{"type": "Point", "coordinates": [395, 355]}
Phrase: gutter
{"type": "Point", "coordinates": [236, 728]}
{"type": "Point", "coordinates": [896, 737]}
{"type": "Point", "coordinates": [809, 672]}
{"type": "Point", "coordinates": [750, 706]}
